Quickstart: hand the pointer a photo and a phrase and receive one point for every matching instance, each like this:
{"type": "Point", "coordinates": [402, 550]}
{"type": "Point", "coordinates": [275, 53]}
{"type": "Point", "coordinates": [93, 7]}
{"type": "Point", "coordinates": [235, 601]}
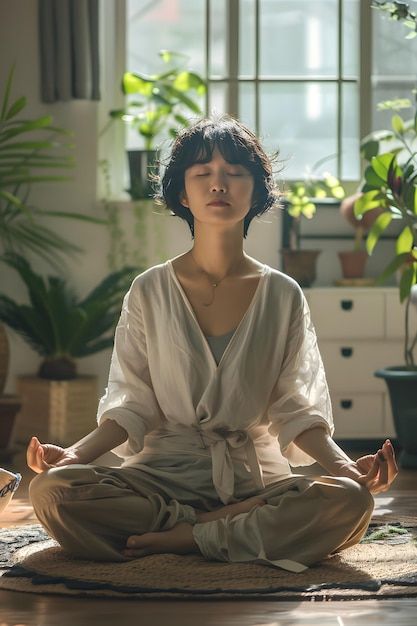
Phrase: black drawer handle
{"type": "Point", "coordinates": [346, 404]}
{"type": "Point", "coordinates": [347, 305]}
{"type": "Point", "coordinates": [346, 352]}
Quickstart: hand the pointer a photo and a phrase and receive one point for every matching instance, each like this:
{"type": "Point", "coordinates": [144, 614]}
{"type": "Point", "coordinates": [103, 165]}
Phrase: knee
{"type": "Point", "coordinates": [356, 497]}
{"type": "Point", "coordinates": [46, 485]}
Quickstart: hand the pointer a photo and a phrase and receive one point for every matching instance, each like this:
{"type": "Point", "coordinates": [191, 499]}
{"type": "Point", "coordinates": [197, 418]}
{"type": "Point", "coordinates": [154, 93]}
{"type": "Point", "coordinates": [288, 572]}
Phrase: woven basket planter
{"type": "Point", "coordinates": [4, 357]}
{"type": "Point", "coordinates": [60, 412]}
{"type": "Point", "coordinates": [9, 406]}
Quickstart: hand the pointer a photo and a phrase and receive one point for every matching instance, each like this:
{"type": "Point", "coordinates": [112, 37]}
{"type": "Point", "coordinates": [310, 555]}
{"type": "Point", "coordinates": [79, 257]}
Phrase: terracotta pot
{"type": "Point", "coordinates": [353, 263]}
{"type": "Point", "coordinates": [301, 265]}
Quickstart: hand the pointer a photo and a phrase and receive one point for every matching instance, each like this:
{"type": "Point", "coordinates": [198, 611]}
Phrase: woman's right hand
{"type": "Point", "coordinates": [43, 456]}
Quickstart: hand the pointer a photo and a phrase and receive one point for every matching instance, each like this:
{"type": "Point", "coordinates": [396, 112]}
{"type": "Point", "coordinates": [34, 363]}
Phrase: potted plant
{"type": "Point", "coordinates": [301, 200]}
{"type": "Point", "coordinates": [391, 183]}
{"type": "Point", "coordinates": [32, 151]}
{"type": "Point", "coordinates": [353, 261]}
{"type": "Point", "coordinates": [61, 329]}
{"type": "Point", "coordinates": [160, 104]}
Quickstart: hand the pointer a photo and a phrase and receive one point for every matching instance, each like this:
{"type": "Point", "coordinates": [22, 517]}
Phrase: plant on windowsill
{"type": "Point", "coordinates": [162, 101]}
{"type": "Point", "coordinates": [61, 329]}
{"type": "Point", "coordinates": [301, 200]}
{"type": "Point", "coordinates": [391, 183]}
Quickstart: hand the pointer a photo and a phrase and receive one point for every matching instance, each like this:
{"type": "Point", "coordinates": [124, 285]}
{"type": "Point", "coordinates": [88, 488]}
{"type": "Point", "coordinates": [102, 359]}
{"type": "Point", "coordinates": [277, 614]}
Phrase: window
{"type": "Point", "coordinates": [298, 72]}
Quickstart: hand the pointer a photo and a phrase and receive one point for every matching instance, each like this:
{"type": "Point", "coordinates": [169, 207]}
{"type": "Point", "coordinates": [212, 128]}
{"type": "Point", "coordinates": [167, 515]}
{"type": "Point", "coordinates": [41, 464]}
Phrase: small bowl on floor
{"type": "Point", "coordinates": [9, 482]}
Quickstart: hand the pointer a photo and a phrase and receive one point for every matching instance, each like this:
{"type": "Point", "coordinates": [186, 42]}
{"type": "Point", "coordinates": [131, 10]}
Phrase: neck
{"type": "Point", "coordinates": [218, 257]}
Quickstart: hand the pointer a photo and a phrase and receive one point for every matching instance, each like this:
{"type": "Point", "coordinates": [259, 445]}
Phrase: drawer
{"type": "Point", "coordinates": [350, 365]}
{"type": "Point", "coordinates": [395, 317]}
{"type": "Point", "coordinates": [339, 314]}
{"type": "Point", "coordinates": [358, 416]}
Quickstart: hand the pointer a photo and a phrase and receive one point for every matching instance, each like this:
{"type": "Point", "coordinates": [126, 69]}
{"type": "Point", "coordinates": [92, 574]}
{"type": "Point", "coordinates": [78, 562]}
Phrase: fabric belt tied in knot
{"type": "Point", "coordinates": [219, 440]}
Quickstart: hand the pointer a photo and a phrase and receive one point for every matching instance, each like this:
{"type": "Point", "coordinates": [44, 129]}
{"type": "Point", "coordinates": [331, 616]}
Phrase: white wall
{"type": "Point", "coordinates": [19, 44]}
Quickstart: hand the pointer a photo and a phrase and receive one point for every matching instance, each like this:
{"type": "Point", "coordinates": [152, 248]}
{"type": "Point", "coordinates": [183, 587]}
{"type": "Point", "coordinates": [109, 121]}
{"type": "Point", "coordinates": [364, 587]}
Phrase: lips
{"type": "Point", "coordinates": [218, 203]}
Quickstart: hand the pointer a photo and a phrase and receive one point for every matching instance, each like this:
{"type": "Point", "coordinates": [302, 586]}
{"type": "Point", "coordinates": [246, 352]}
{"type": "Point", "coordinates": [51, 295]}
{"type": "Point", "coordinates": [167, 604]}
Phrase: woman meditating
{"type": "Point", "coordinates": [216, 388]}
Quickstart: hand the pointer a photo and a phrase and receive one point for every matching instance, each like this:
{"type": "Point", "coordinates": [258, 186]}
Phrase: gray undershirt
{"type": "Point", "coordinates": [218, 344]}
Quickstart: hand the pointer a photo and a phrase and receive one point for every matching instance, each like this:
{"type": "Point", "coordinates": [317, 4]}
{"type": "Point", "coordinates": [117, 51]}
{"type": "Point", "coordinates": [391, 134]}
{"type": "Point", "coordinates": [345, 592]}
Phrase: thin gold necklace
{"type": "Point", "coordinates": [214, 285]}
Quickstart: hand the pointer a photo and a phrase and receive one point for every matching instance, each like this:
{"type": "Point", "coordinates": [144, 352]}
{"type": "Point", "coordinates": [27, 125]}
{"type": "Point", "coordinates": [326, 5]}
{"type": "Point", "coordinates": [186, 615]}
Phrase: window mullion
{"type": "Point", "coordinates": [207, 56]}
{"type": "Point", "coordinates": [339, 89]}
{"type": "Point", "coordinates": [232, 12]}
{"type": "Point", "coordinates": [365, 76]}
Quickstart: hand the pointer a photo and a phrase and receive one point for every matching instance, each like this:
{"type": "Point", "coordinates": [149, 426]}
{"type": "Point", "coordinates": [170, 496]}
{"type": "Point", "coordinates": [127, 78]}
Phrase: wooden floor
{"type": "Point", "coordinates": [24, 609]}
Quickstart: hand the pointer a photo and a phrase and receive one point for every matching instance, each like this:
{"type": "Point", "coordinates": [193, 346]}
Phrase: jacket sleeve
{"type": "Point", "coordinates": [301, 398]}
{"type": "Point", "coordinates": [129, 398]}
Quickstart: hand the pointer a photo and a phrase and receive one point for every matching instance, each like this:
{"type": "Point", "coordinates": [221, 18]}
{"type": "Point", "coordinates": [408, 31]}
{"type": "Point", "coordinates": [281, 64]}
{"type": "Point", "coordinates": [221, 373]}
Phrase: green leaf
{"type": "Point", "coordinates": [367, 202]}
{"type": "Point", "coordinates": [16, 107]}
{"type": "Point", "coordinates": [373, 179]}
{"type": "Point", "coordinates": [135, 83]}
{"type": "Point", "coordinates": [189, 80]}
{"type": "Point", "coordinates": [395, 105]}
{"type": "Point", "coordinates": [404, 241]}
{"type": "Point", "coordinates": [392, 267]}
{"type": "Point", "coordinates": [381, 223]}
{"type": "Point", "coordinates": [406, 282]}
{"type": "Point", "coordinates": [382, 163]}
{"type": "Point", "coordinates": [370, 149]}
{"type": "Point", "coordinates": [397, 124]}
{"type": "Point", "coordinates": [188, 102]}
{"type": "Point", "coordinates": [5, 102]}
{"type": "Point", "coordinates": [309, 210]}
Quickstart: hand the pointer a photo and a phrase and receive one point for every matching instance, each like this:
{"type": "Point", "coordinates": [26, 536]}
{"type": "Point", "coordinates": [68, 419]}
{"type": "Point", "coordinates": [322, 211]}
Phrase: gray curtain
{"type": "Point", "coordinates": [69, 49]}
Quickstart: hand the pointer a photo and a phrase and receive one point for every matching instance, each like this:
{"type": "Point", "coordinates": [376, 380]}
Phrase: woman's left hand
{"type": "Point", "coordinates": [375, 471]}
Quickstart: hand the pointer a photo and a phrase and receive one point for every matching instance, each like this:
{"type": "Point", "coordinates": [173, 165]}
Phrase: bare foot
{"type": "Point", "coordinates": [178, 540]}
{"type": "Point", "coordinates": [230, 509]}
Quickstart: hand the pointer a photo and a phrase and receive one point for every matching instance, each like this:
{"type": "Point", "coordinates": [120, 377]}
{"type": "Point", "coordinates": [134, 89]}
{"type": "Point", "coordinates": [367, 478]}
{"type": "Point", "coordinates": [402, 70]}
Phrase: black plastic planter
{"type": "Point", "coordinates": [141, 164]}
{"type": "Point", "coordinates": [402, 387]}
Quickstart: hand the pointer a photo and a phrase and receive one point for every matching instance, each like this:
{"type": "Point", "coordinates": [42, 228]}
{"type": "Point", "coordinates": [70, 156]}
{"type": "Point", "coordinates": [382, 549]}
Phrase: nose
{"type": "Point", "coordinates": [218, 183]}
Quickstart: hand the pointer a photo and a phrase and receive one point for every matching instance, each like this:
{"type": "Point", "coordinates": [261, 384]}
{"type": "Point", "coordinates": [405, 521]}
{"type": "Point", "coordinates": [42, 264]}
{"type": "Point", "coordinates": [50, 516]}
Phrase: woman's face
{"type": "Point", "coordinates": [218, 191]}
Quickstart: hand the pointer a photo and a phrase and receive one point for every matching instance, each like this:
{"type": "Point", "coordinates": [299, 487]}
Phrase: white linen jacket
{"type": "Point", "coordinates": [166, 389]}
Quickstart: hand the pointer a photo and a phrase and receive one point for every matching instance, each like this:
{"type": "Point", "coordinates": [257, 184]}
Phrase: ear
{"type": "Point", "coordinates": [183, 199]}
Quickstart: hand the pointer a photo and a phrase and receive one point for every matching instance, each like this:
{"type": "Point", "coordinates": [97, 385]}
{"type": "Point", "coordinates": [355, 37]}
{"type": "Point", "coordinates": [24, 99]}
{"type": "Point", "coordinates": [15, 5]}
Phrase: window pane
{"type": "Point", "coordinates": [247, 104]}
{"type": "Point", "coordinates": [392, 54]}
{"type": "Point", "coordinates": [382, 119]}
{"type": "Point", "coordinates": [298, 38]}
{"type": "Point", "coordinates": [176, 25]}
{"type": "Point", "coordinates": [350, 38]}
{"type": "Point", "coordinates": [350, 132]}
{"type": "Point", "coordinates": [300, 120]}
{"type": "Point", "coordinates": [217, 98]}
{"type": "Point", "coordinates": [218, 39]}
{"type": "Point", "coordinates": [247, 39]}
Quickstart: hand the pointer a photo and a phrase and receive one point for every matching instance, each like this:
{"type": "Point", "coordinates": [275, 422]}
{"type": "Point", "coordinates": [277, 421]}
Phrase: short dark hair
{"type": "Point", "coordinates": [237, 144]}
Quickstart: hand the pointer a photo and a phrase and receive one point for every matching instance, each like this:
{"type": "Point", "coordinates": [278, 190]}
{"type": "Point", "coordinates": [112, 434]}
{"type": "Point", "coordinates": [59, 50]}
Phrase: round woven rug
{"type": "Point", "coordinates": [376, 569]}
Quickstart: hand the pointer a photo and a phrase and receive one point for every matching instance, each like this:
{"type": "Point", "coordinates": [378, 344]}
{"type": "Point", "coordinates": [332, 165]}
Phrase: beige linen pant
{"type": "Point", "coordinates": [91, 511]}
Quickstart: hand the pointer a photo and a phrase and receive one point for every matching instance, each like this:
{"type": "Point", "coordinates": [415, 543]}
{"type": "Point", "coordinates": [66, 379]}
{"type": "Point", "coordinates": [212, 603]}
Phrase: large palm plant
{"type": "Point", "coordinates": [32, 151]}
{"type": "Point", "coordinates": [58, 326]}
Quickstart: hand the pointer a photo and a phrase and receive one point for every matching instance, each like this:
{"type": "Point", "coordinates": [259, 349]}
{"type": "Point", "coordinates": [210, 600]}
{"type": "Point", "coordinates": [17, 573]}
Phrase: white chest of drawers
{"type": "Point", "coordinates": [359, 330]}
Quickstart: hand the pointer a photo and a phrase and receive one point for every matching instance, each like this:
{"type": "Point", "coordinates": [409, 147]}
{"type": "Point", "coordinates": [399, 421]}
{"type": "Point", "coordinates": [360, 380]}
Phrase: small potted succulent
{"type": "Point", "coordinates": [61, 329]}
{"type": "Point", "coordinates": [161, 103]}
{"type": "Point", "coordinates": [301, 199]}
